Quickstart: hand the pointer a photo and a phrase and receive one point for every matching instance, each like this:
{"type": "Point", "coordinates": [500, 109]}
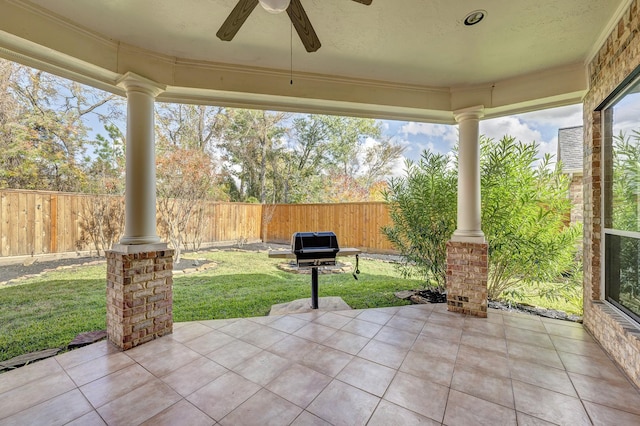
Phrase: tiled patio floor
{"type": "Point", "coordinates": [393, 366]}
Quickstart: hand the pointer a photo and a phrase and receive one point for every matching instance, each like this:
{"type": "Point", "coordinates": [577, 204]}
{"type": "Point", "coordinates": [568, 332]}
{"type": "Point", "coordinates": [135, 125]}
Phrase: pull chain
{"type": "Point", "coordinates": [291, 51]}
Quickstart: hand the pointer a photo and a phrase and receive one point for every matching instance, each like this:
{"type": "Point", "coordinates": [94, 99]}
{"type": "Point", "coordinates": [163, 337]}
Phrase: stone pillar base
{"type": "Point", "coordinates": [139, 296]}
{"type": "Point", "coordinates": [467, 271]}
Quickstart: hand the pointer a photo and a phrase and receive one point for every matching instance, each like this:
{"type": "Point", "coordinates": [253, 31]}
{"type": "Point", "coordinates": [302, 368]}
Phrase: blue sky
{"type": "Point", "coordinates": [540, 126]}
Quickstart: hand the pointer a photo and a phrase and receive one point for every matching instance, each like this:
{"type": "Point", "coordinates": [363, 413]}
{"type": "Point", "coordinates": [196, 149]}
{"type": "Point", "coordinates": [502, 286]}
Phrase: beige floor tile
{"type": "Point", "coordinates": [418, 395]}
{"type": "Point", "coordinates": [383, 353]}
{"type": "Point", "coordinates": [299, 384]}
{"type": "Point", "coordinates": [315, 332]}
{"type": "Point", "coordinates": [410, 325]}
{"type": "Point", "coordinates": [190, 332]}
{"type": "Point", "coordinates": [535, 354]}
{"type": "Point", "coordinates": [288, 324]}
{"type": "Point", "coordinates": [442, 332]}
{"type": "Point", "coordinates": [240, 328]}
{"type": "Point", "coordinates": [346, 342]}
{"type": "Point", "coordinates": [375, 316]}
{"type": "Point", "coordinates": [262, 368]}
{"type": "Point", "coordinates": [599, 368]}
{"type": "Point", "coordinates": [548, 405]}
{"type": "Point", "coordinates": [528, 337]}
{"type": "Point", "coordinates": [436, 348]}
{"type": "Point", "coordinates": [56, 411]}
{"type": "Point", "coordinates": [139, 405]}
{"type": "Point", "coordinates": [447, 319]}
{"type": "Point", "coordinates": [263, 409]}
{"type": "Point", "coordinates": [418, 312]}
{"type": "Point", "coordinates": [332, 320]}
{"type": "Point", "coordinates": [351, 313]}
{"type": "Point", "coordinates": [216, 401]}
{"type": "Point", "coordinates": [163, 363]}
{"type": "Point", "coordinates": [395, 337]}
{"type": "Point", "coordinates": [435, 370]}
{"type": "Point", "coordinates": [483, 361]}
{"type": "Point", "coordinates": [343, 405]}
{"type": "Point", "coordinates": [294, 348]}
{"type": "Point", "coordinates": [86, 353]}
{"type": "Point", "coordinates": [265, 320]}
{"type": "Point", "coordinates": [569, 332]}
{"type": "Point", "coordinates": [150, 349]}
{"type": "Point", "coordinates": [491, 388]}
{"type": "Point", "coordinates": [307, 419]}
{"type": "Point", "coordinates": [530, 322]}
{"type": "Point", "coordinates": [21, 376]}
{"type": "Point", "coordinates": [463, 410]}
{"type": "Point", "coordinates": [191, 377]}
{"type": "Point", "coordinates": [309, 316]}
{"type": "Point", "coordinates": [614, 394]}
{"type": "Point", "coordinates": [326, 360]}
{"type": "Point", "coordinates": [234, 353]}
{"type": "Point", "coordinates": [578, 347]}
{"type": "Point", "coordinates": [35, 392]}
{"type": "Point", "coordinates": [99, 367]}
{"type": "Point", "coordinates": [108, 388]}
{"type": "Point", "coordinates": [390, 414]}
{"type": "Point", "coordinates": [216, 324]}
{"type": "Point", "coordinates": [362, 328]}
{"type": "Point", "coordinates": [527, 420]}
{"type": "Point", "coordinates": [92, 418]}
{"type": "Point", "coordinates": [264, 337]}
{"type": "Point", "coordinates": [495, 317]}
{"type": "Point", "coordinates": [368, 376]}
{"type": "Point", "coordinates": [542, 376]}
{"type": "Point", "coordinates": [605, 416]}
{"type": "Point", "coordinates": [487, 343]}
{"type": "Point", "coordinates": [209, 342]}
{"type": "Point", "coordinates": [180, 413]}
{"type": "Point", "coordinates": [482, 326]}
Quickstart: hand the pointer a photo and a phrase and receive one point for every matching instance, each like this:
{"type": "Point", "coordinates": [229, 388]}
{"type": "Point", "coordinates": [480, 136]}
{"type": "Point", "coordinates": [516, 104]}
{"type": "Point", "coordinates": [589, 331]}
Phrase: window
{"type": "Point", "coordinates": [621, 180]}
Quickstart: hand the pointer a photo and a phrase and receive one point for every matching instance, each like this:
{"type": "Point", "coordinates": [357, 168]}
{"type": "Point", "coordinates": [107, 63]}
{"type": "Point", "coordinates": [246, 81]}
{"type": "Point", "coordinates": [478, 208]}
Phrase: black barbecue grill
{"type": "Point", "coordinates": [313, 249]}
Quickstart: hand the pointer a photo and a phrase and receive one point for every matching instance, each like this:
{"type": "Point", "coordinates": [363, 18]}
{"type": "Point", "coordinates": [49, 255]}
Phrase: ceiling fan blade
{"type": "Point", "coordinates": [236, 18]}
{"type": "Point", "coordinates": [367, 2]}
{"type": "Point", "coordinates": [303, 26]}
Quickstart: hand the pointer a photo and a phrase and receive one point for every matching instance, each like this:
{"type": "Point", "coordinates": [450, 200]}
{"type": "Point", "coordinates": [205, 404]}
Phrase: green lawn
{"type": "Point", "coordinates": [50, 310]}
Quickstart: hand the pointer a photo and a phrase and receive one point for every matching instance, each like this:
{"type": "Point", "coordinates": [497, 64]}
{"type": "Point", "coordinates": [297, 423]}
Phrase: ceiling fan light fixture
{"type": "Point", "coordinates": [274, 6]}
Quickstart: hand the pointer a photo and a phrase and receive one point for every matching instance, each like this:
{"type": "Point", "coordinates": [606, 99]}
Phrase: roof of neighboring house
{"type": "Point", "coordinates": [570, 144]}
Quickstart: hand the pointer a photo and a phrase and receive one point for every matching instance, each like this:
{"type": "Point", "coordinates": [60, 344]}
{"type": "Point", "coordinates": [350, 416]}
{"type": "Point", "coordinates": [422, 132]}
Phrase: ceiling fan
{"type": "Point", "coordinates": [294, 9]}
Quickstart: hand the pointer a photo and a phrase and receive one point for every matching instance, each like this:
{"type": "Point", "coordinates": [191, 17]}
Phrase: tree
{"type": "Point", "coordinates": [422, 207]}
{"type": "Point", "coordinates": [250, 140]}
{"type": "Point", "coordinates": [44, 129]}
{"type": "Point", "coordinates": [524, 209]}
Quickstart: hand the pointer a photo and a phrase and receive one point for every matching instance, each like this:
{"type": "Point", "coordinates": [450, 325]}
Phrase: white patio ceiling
{"type": "Point", "coordinates": [406, 59]}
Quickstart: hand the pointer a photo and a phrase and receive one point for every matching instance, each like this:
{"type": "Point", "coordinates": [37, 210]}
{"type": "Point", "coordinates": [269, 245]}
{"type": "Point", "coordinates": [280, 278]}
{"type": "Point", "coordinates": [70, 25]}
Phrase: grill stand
{"type": "Point", "coordinates": [314, 288]}
{"type": "Point", "coordinates": [281, 254]}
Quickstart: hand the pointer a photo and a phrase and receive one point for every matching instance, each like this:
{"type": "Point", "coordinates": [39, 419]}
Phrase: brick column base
{"type": "Point", "coordinates": [139, 296]}
{"type": "Point", "coordinates": [467, 270]}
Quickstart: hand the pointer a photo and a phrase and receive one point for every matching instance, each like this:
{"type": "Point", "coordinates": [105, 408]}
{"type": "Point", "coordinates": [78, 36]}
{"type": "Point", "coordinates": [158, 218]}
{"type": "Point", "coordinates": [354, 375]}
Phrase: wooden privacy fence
{"type": "Point", "coordinates": [355, 224]}
{"type": "Point", "coordinates": [39, 222]}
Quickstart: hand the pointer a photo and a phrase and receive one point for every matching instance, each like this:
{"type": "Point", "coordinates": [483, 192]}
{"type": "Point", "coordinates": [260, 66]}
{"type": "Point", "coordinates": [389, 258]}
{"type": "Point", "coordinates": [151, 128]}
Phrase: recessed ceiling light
{"type": "Point", "coordinates": [475, 17]}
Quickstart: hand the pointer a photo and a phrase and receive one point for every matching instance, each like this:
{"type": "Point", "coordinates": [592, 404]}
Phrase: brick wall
{"type": "Point", "coordinates": [617, 59]}
{"type": "Point", "coordinates": [467, 269]}
{"type": "Point", "coordinates": [139, 297]}
{"type": "Point", "coordinates": [576, 197]}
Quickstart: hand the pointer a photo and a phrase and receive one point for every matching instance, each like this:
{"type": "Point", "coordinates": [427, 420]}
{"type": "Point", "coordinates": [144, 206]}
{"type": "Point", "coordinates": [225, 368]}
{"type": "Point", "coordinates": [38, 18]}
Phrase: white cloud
{"type": "Point", "coordinates": [496, 128]}
{"type": "Point", "coordinates": [445, 132]}
{"type": "Point", "coordinates": [567, 116]}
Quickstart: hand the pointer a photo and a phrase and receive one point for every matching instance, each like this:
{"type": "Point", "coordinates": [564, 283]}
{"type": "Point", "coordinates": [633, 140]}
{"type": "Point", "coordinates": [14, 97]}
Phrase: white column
{"type": "Point", "coordinates": [140, 189]}
{"type": "Point", "coordinates": [469, 213]}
